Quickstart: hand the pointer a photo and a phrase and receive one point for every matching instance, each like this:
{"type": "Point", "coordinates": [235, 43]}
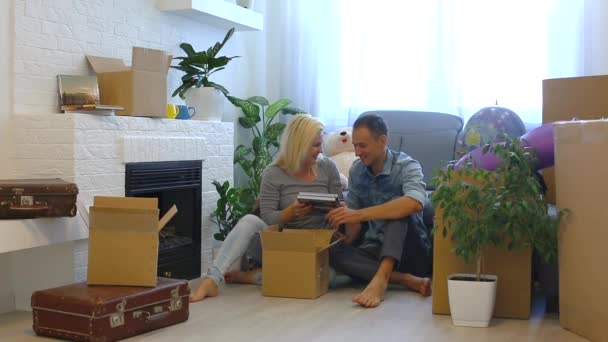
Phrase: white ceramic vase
{"type": "Point", "coordinates": [472, 302]}
{"type": "Point", "coordinates": [208, 103]}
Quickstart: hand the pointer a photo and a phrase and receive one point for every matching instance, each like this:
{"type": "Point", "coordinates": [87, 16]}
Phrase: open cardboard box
{"type": "Point", "coordinates": [295, 262]}
{"type": "Point", "coordinates": [123, 240]}
{"type": "Point", "coordinates": [140, 89]}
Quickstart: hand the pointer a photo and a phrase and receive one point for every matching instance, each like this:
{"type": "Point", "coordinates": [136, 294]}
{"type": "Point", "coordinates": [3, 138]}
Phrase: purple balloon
{"type": "Point", "coordinates": [488, 161]}
{"type": "Point", "coordinates": [539, 139]}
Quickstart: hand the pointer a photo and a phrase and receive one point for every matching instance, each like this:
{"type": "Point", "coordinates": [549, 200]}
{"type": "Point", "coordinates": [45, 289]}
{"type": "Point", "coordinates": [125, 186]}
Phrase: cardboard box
{"type": "Point", "coordinates": [140, 89]}
{"type": "Point", "coordinates": [123, 240]}
{"type": "Point", "coordinates": [513, 268]}
{"type": "Point", "coordinates": [581, 166]}
{"type": "Point", "coordinates": [295, 262]}
{"type": "Point", "coordinates": [565, 98]}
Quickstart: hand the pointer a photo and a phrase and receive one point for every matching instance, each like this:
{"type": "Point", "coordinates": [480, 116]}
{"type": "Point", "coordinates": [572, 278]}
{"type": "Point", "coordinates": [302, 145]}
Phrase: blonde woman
{"type": "Point", "coordinates": [297, 168]}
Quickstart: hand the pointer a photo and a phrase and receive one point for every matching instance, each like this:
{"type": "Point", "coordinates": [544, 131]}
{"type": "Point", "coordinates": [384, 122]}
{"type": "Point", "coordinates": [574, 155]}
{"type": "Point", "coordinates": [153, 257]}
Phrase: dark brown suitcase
{"type": "Point", "coordinates": [104, 313]}
{"type": "Point", "coordinates": [32, 198]}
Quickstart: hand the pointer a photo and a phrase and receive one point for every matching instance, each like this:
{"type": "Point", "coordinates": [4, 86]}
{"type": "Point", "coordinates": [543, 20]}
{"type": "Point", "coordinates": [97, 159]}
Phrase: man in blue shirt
{"type": "Point", "coordinates": [386, 194]}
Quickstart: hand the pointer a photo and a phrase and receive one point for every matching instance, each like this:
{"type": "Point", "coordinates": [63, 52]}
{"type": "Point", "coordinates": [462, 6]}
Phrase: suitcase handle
{"type": "Point", "coordinates": [150, 318]}
{"type": "Point", "coordinates": [33, 208]}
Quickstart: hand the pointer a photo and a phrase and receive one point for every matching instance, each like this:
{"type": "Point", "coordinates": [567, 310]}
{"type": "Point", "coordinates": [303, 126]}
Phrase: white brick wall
{"type": "Point", "coordinates": [91, 150]}
{"type": "Point", "coordinates": [52, 37]}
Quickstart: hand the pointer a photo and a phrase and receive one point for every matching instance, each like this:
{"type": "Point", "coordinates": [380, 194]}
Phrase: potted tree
{"type": "Point", "coordinates": [205, 96]}
{"type": "Point", "coordinates": [479, 208]}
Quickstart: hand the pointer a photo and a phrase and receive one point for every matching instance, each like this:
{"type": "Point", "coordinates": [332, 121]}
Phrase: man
{"type": "Point", "coordinates": [386, 194]}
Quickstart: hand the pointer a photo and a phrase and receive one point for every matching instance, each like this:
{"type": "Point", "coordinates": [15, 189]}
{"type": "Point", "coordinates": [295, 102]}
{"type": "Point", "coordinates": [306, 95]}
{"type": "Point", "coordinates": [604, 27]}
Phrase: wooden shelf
{"type": "Point", "coordinates": [218, 13]}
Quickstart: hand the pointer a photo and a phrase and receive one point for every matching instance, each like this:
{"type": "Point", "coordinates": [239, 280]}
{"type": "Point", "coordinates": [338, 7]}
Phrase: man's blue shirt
{"type": "Point", "coordinates": [400, 176]}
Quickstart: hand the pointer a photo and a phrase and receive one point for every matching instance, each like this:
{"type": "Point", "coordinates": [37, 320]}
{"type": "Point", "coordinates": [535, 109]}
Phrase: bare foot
{"type": "Point", "coordinates": [207, 288]}
{"type": "Point", "coordinates": [373, 294]}
{"type": "Point", "coordinates": [425, 287]}
{"type": "Point", "coordinates": [240, 277]}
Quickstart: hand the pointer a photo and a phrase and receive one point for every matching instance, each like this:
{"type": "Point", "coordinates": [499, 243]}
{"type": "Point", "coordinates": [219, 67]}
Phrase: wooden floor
{"type": "Point", "coordinates": [241, 313]}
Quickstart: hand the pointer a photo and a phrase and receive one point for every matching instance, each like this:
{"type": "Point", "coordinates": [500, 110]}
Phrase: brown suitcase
{"type": "Point", "coordinates": [107, 313]}
{"type": "Point", "coordinates": [32, 198]}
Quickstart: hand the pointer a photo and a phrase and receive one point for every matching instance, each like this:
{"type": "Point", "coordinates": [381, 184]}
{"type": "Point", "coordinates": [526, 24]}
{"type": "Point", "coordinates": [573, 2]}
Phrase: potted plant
{"type": "Point", "coordinates": [205, 96]}
{"type": "Point", "coordinates": [265, 141]}
{"type": "Point", "coordinates": [232, 205]}
{"type": "Point", "coordinates": [479, 208]}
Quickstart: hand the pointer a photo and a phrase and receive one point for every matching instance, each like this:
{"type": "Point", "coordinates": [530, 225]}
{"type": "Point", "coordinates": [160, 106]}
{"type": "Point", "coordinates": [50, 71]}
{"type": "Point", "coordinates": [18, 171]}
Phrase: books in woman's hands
{"type": "Point", "coordinates": [319, 200]}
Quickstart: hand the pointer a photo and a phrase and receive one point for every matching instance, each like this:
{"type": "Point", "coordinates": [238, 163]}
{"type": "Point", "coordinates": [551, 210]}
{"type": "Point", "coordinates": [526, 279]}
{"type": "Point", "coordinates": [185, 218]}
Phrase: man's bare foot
{"type": "Point", "coordinates": [207, 288]}
{"type": "Point", "coordinates": [425, 287]}
{"type": "Point", "coordinates": [373, 294]}
{"type": "Point", "coordinates": [240, 277]}
{"type": "Point", "coordinates": [422, 285]}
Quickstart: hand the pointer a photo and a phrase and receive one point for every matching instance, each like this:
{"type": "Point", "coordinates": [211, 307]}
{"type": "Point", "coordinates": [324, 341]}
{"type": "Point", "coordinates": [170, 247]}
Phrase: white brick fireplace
{"type": "Point", "coordinates": [91, 150]}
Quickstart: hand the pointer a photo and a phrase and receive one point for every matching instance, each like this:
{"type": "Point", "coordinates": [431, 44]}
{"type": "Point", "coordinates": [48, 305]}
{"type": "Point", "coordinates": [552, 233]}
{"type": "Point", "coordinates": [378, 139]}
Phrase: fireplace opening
{"type": "Point", "coordinates": [179, 183]}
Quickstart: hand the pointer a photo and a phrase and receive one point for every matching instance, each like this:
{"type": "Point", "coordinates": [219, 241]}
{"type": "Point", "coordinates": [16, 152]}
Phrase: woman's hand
{"type": "Point", "coordinates": [295, 210]}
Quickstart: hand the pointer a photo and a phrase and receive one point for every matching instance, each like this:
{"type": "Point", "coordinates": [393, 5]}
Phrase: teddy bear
{"type": "Point", "coordinates": [339, 148]}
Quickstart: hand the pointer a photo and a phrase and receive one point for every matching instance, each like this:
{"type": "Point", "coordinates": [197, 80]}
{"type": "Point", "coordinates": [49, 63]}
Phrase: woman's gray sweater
{"type": "Point", "coordinates": [279, 190]}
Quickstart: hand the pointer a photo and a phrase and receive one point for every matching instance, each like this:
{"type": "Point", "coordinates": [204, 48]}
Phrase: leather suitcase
{"type": "Point", "coordinates": [32, 198]}
{"type": "Point", "coordinates": [107, 313]}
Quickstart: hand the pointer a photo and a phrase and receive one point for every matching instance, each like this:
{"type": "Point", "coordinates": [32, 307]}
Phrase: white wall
{"type": "Point", "coordinates": [7, 301]}
{"type": "Point", "coordinates": [596, 37]}
{"type": "Point", "coordinates": [6, 39]}
{"type": "Point", "coordinates": [53, 37]}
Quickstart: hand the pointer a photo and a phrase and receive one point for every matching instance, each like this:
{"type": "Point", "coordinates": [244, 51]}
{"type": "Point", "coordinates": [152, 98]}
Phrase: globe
{"type": "Point", "coordinates": [490, 125]}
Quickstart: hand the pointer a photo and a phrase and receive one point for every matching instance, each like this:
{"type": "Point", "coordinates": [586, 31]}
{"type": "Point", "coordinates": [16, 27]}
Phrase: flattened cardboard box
{"type": "Point", "coordinates": [514, 271]}
{"type": "Point", "coordinates": [581, 166]}
{"type": "Point", "coordinates": [584, 98]}
{"type": "Point", "coordinates": [123, 240]}
{"type": "Point", "coordinates": [140, 89]}
{"type": "Point", "coordinates": [295, 262]}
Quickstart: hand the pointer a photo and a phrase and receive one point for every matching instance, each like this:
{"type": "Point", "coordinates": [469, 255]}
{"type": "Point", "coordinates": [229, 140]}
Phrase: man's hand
{"type": "Point", "coordinates": [352, 233]}
{"type": "Point", "coordinates": [342, 215]}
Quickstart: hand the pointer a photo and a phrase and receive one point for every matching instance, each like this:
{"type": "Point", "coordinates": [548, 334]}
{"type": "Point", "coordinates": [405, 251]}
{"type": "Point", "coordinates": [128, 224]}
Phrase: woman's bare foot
{"type": "Point", "coordinates": [373, 294]}
{"type": "Point", "coordinates": [207, 288]}
{"type": "Point", "coordinates": [239, 277]}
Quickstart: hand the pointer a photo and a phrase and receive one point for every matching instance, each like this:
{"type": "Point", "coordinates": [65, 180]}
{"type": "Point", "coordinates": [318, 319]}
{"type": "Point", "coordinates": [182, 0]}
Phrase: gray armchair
{"type": "Point", "coordinates": [428, 137]}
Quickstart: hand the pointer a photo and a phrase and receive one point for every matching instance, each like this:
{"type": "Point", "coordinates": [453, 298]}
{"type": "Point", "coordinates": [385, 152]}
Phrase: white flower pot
{"type": "Point", "coordinates": [208, 103]}
{"type": "Point", "coordinates": [472, 302]}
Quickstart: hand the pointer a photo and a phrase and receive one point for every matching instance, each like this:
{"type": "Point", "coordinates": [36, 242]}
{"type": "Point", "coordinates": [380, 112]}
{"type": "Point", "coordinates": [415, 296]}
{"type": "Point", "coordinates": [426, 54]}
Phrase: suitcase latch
{"type": "Point", "coordinates": [118, 318]}
{"type": "Point", "coordinates": [176, 302]}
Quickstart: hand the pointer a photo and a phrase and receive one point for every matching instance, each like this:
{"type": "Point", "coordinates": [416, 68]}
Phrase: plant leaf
{"type": "Point", "coordinates": [275, 107]}
{"type": "Point", "coordinates": [273, 131]}
{"type": "Point", "coordinates": [250, 109]}
{"type": "Point", "coordinates": [291, 110]}
{"type": "Point", "coordinates": [246, 122]}
{"type": "Point", "coordinates": [262, 101]}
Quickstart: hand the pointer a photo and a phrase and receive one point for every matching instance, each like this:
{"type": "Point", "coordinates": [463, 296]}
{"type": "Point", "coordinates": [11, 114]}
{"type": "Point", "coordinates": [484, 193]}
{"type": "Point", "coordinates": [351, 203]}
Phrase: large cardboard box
{"type": "Point", "coordinates": [295, 262]}
{"type": "Point", "coordinates": [513, 268]}
{"type": "Point", "coordinates": [141, 89]}
{"type": "Point", "coordinates": [583, 98]}
{"type": "Point", "coordinates": [581, 166]}
{"type": "Point", "coordinates": [123, 240]}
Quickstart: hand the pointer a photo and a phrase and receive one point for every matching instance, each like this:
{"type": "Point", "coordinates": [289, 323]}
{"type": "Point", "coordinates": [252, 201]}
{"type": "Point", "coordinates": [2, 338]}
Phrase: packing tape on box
{"type": "Point", "coordinates": [581, 132]}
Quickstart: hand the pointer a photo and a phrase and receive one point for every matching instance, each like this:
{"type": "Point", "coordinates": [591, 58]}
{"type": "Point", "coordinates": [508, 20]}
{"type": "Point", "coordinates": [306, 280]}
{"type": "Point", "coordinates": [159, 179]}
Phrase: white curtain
{"type": "Point", "coordinates": [340, 58]}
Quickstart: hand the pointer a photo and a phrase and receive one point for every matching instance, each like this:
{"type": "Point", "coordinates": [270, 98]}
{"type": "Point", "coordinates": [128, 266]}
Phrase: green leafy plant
{"type": "Point", "coordinates": [504, 207]}
{"type": "Point", "coordinates": [232, 205]}
{"type": "Point", "coordinates": [265, 141]}
{"type": "Point", "coordinates": [199, 65]}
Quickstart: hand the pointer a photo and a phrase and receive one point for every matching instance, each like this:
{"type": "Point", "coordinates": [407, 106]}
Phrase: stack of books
{"type": "Point", "coordinates": [81, 94]}
{"type": "Point", "coordinates": [320, 201]}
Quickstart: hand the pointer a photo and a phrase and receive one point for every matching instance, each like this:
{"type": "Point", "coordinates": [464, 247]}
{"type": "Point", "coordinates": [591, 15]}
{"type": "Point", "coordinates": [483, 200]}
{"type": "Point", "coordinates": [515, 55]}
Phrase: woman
{"type": "Point", "coordinates": [297, 168]}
